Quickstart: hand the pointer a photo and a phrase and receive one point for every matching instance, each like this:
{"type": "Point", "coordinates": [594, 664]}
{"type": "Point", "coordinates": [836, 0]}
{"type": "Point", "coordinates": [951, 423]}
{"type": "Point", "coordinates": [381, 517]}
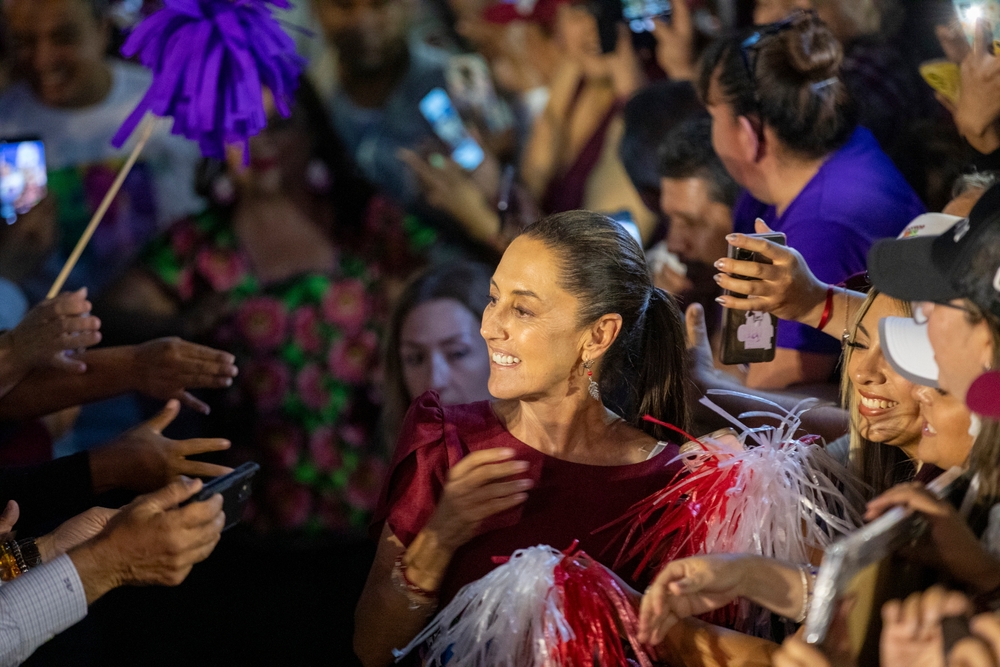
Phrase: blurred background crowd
{"type": "Point", "coordinates": [345, 268]}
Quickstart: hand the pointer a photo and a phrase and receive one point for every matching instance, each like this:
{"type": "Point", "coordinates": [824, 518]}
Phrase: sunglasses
{"type": "Point", "coordinates": [750, 47]}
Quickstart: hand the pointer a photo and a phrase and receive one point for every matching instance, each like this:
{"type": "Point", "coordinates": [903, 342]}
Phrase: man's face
{"type": "Point", "coordinates": [58, 46]}
{"type": "Point", "coordinates": [698, 224]}
{"type": "Point", "coordinates": [366, 33]}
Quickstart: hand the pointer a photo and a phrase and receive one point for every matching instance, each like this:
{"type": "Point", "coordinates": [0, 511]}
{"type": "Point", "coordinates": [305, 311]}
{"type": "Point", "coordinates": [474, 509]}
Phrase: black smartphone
{"type": "Point", "coordinates": [23, 176]}
{"type": "Point", "coordinates": [637, 14]}
{"type": "Point", "coordinates": [748, 336]}
{"type": "Point", "coordinates": [235, 489]}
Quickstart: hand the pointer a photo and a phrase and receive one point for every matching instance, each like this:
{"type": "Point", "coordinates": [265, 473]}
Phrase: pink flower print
{"type": "Point", "coordinates": [350, 358]}
{"type": "Point", "coordinates": [365, 484]}
{"type": "Point", "coordinates": [268, 381]}
{"type": "Point", "coordinates": [281, 444]}
{"type": "Point", "coordinates": [305, 329]}
{"type": "Point", "coordinates": [183, 237]}
{"type": "Point", "coordinates": [345, 305]}
{"type": "Point", "coordinates": [353, 436]}
{"type": "Point", "coordinates": [223, 268]}
{"type": "Point", "coordinates": [289, 503]}
{"type": "Point", "coordinates": [323, 449]}
{"type": "Point", "coordinates": [309, 384]}
{"type": "Point", "coordinates": [262, 321]}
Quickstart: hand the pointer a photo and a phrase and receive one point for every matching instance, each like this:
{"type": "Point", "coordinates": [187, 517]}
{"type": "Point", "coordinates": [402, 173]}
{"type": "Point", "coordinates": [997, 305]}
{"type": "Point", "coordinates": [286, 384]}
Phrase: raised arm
{"type": "Point", "coordinates": [163, 369]}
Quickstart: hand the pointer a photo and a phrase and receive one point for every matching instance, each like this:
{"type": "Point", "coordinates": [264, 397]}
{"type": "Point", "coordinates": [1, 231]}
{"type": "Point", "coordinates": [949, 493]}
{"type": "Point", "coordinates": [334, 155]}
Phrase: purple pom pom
{"type": "Point", "coordinates": [210, 59]}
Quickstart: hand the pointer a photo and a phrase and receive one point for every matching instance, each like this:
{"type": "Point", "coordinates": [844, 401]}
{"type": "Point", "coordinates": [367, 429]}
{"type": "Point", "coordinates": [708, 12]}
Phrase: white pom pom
{"type": "Point", "coordinates": [505, 619]}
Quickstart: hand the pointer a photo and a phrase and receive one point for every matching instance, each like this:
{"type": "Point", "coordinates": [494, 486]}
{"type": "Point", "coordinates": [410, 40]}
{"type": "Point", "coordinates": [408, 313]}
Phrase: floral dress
{"type": "Point", "coordinates": [303, 405]}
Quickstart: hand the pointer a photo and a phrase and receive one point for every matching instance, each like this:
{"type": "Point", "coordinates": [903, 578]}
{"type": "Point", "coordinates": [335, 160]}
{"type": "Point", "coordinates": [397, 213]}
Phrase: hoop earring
{"type": "Point", "coordinates": [593, 388]}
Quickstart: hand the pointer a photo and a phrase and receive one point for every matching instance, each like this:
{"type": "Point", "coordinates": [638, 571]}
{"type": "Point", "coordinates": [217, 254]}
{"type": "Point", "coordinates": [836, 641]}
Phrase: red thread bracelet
{"type": "Point", "coordinates": [827, 309]}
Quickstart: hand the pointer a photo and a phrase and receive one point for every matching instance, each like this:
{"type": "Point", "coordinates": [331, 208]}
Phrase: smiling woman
{"type": "Point", "coordinates": [572, 305]}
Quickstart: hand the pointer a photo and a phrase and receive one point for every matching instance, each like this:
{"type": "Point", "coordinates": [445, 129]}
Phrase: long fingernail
{"type": "Point", "coordinates": [719, 264]}
{"type": "Point", "coordinates": [721, 301]}
{"type": "Point", "coordinates": [731, 237]}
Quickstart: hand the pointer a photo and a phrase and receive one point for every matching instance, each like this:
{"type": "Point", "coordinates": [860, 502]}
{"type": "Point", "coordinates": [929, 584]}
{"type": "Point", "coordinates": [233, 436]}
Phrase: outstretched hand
{"type": "Point", "coordinates": [53, 330]}
{"type": "Point", "coordinates": [953, 544]}
{"type": "Point", "coordinates": [912, 635]}
{"type": "Point", "coordinates": [144, 459]}
{"type": "Point", "coordinates": [166, 368]}
{"type": "Point", "coordinates": [688, 587]}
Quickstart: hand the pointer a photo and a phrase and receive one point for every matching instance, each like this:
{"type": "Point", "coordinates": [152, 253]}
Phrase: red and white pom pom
{"type": "Point", "coordinates": [542, 608]}
{"type": "Point", "coordinates": [776, 496]}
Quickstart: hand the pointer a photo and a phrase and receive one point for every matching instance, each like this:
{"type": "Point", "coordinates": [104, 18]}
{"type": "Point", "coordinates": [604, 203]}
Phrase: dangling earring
{"type": "Point", "coordinates": [983, 397]}
{"type": "Point", "coordinates": [594, 389]}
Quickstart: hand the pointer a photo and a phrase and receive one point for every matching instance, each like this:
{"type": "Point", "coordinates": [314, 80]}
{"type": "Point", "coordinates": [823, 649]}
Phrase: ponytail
{"type": "Point", "coordinates": [652, 375]}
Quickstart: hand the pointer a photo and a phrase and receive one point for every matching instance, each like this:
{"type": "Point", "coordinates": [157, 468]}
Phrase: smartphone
{"type": "Point", "coordinates": [970, 11]}
{"type": "Point", "coordinates": [235, 489]}
{"type": "Point", "coordinates": [471, 88]}
{"type": "Point", "coordinates": [23, 177]}
{"type": "Point", "coordinates": [639, 14]}
{"type": "Point", "coordinates": [624, 218]}
{"type": "Point", "coordinates": [437, 108]}
{"type": "Point", "coordinates": [748, 336]}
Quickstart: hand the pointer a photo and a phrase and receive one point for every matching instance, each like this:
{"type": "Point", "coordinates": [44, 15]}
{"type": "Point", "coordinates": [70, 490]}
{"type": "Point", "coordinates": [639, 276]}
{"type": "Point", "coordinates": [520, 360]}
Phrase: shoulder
{"type": "Point", "coordinates": [458, 428]}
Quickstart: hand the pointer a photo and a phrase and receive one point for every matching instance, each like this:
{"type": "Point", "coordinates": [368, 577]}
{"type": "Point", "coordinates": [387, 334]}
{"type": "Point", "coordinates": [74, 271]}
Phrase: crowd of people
{"type": "Point", "coordinates": [440, 298]}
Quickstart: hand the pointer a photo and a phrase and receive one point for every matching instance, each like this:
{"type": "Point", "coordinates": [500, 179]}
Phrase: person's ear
{"type": "Point", "coordinates": [750, 139]}
{"type": "Point", "coordinates": [600, 335]}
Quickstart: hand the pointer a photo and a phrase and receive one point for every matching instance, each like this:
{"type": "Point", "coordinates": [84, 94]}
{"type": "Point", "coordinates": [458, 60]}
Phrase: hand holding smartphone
{"type": "Point", "coordinates": [749, 336]}
{"type": "Point", "coordinates": [437, 108]}
{"type": "Point", "coordinates": [235, 488]}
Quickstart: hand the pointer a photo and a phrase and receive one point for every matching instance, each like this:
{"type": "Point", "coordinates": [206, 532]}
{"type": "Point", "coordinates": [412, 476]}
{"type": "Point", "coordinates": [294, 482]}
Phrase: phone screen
{"type": "Point", "coordinates": [970, 11]}
{"type": "Point", "coordinates": [23, 178]}
{"type": "Point", "coordinates": [639, 14]}
{"type": "Point", "coordinates": [437, 108]}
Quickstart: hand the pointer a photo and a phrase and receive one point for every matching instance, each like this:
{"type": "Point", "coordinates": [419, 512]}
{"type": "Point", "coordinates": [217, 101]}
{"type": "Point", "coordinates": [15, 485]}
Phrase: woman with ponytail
{"type": "Point", "coordinates": [581, 347]}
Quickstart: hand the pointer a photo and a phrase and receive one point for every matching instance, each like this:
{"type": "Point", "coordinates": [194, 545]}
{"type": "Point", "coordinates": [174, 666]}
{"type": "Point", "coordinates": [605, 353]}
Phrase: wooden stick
{"type": "Point", "coordinates": [149, 123]}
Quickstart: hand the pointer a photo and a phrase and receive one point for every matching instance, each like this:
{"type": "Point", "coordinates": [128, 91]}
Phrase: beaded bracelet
{"type": "Point", "coordinates": [417, 596]}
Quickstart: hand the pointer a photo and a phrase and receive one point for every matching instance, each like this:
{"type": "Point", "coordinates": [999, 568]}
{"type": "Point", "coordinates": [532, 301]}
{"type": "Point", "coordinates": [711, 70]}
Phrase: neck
{"type": "Point", "coordinates": [567, 427]}
{"type": "Point", "coordinates": [787, 179]}
{"type": "Point", "coordinates": [371, 89]}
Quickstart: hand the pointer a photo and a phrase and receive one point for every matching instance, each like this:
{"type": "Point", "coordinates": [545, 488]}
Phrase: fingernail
{"type": "Point", "coordinates": [731, 237]}
{"type": "Point", "coordinates": [522, 465]}
{"type": "Point", "coordinates": [506, 451]}
{"type": "Point", "coordinates": [526, 483]}
{"type": "Point", "coordinates": [719, 300]}
{"type": "Point", "coordinates": [719, 264]}
{"type": "Point", "coordinates": [717, 277]}
{"type": "Point", "coordinates": [187, 481]}
{"type": "Point", "coordinates": [229, 382]}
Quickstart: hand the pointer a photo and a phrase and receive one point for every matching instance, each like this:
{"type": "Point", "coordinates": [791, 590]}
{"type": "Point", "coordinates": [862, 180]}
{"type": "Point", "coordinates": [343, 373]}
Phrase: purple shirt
{"type": "Point", "coordinates": [857, 197]}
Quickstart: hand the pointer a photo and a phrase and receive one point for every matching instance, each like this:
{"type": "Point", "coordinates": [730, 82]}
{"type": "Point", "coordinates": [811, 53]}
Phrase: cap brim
{"type": "Point", "coordinates": [903, 268]}
{"type": "Point", "coordinates": [908, 350]}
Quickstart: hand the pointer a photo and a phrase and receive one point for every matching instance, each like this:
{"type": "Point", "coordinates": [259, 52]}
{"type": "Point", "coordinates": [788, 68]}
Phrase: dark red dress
{"type": "Point", "coordinates": [569, 501]}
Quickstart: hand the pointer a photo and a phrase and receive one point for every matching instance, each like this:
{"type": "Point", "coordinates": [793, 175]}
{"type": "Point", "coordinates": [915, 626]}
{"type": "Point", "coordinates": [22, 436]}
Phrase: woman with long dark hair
{"type": "Point", "coordinates": [574, 326]}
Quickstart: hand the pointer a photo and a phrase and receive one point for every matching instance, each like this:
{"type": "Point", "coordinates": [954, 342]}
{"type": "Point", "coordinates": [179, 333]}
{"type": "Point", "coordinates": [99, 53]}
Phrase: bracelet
{"type": "Point", "coordinates": [827, 309]}
{"type": "Point", "coordinates": [417, 596]}
{"type": "Point", "coordinates": [808, 574]}
{"type": "Point", "coordinates": [10, 569]}
{"type": "Point", "coordinates": [29, 551]}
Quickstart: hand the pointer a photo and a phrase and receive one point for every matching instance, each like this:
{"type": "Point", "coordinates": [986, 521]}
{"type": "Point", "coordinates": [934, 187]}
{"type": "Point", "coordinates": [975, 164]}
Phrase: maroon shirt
{"type": "Point", "coordinates": [569, 501]}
